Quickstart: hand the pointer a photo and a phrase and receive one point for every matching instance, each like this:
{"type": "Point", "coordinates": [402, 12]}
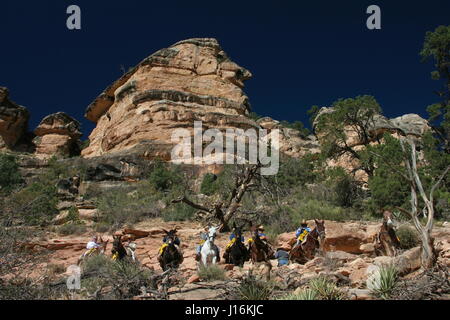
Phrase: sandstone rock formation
{"type": "Point", "coordinates": [410, 125]}
{"type": "Point", "coordinates": [57, 135]}
{"type": "Point", "coordinates": [13, 121]}
{"type": "Point", "coordinates": [189, 81]}
{"type": "Point", "coordinates": [291, 142]}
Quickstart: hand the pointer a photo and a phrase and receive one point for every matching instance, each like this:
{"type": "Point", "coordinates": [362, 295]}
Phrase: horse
{"type": "Point", "coordinates": [386, 242]}
{"type": "Point", "coordinates": [92, 252]}
{"type": "Point", "coordinates": [170, 257]}
{"type": "Point", "coordinates": [210, 252]}
{"type": "Point", "coordinates": [261, 253]}
{"type": "Point", "coordinates": [237, 254]}
{"type": "Point", "coordinates": [304, 251]}
{"type": "Point", "coordinates": [122, 253]}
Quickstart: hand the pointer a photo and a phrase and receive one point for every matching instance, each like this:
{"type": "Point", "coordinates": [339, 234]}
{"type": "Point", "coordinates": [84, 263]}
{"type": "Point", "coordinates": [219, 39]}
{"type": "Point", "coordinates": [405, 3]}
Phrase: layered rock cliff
{"type": "Point", "coordinates": [193, 80]}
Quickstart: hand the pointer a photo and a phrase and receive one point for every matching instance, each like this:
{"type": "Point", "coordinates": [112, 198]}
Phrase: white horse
{"type": "Point", "coordinates": [209, 250]}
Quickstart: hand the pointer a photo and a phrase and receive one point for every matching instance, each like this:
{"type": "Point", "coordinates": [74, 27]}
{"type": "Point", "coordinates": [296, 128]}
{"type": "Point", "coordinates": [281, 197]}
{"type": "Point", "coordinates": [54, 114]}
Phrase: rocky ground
{"type": "Point", "coordinates": [348, 257]}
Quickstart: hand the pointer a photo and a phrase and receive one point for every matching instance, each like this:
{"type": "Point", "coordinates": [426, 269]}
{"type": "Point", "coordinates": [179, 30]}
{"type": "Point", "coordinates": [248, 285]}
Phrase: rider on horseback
{"type": "Point", "coordinates": [93, 245]}
{"type": "Point", "coordinates": [261, 234]}
{"type": "Point", "coordinates": [302, 232]}
{"type": "Point", "coordinates": [233, 238]}
{"type": "Point", "coordinates": [176, 241]}
{"type": "Point", "coordinates": [203, 237]}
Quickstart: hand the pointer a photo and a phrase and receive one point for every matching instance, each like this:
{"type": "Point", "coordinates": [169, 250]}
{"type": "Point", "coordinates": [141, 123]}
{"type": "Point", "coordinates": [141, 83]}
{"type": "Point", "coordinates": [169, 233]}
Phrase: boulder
{"type": "Point", "coordinates": [194, 279]}
{"type": "Point", "coordinates": [292, 143]}
{"type": "Point", "coordinates": [348, 237]}
{"type": "Point", "coordinates": [341, 256]}
{"type": "Point", "coordinates": [13, 121]}
{"type": "Point", "coordinates": [57, 135]}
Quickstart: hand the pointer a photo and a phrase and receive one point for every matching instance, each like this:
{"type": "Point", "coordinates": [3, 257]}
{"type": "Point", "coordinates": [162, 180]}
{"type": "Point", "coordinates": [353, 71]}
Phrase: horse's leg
{"type": "Point", "coordinates": [268, 268]}
{"type": "Point", "coordinates": [204, 259]}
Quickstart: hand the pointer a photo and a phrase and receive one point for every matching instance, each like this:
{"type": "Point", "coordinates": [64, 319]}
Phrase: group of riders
{"type": "Point", "coordinates": [95, 246]}
{"type": "Point", "coordinates": [301, 249]}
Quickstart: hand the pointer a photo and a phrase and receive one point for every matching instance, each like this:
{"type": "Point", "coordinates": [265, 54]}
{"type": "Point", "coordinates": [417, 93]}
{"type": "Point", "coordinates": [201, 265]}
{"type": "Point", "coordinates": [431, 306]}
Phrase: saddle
{"type": "Point", "coordinates": [162, 248]}
{"type": "Point", "coordinates": [90, 252]}
{"type": "Point", "coordinates": [302, 237]}
{"type": "Point", "coordinates": [230, 243]}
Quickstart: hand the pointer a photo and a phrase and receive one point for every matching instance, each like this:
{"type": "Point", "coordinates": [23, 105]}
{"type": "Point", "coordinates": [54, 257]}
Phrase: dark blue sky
{"type": "Point", "coordinates": [300, 53]}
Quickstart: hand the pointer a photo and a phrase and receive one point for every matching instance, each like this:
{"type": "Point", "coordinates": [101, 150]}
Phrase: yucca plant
{"type": "Point", "coordinates": [307, 294]}
{"type": "Point", "coordinates": [211, 273]}
{"type": "Point", "coordinates": [384, 281]}
{"type": "Point", "coordinates": [326, 289]}
{"type": "Point", "coordinates": [253, 289]}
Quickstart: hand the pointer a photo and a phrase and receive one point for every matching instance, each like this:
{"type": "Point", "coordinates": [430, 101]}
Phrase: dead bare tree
{"type": "Point", "coordinates": [428, 252]}
{"type": "Point", "coordinates": [225, 210]}
{"type": "Point", "coordinates": [428, 255]}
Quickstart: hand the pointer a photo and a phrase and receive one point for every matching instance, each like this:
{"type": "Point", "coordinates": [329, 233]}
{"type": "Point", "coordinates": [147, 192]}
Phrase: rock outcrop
{"type": "Point", "coordinates": [13, 121]}
{"type": "Point", "coordinates": [410, 125]}
{"type": "Point", "coordinates": [193, 80]}
{"type": "Point", "coordinates": [292, 143]}
{"type": "Point", "coordinates": [57, 135]}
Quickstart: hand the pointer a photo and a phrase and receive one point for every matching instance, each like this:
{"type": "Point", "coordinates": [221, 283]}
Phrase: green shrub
{"type": "Point", "coordinates": [253, 289]}
{"type": "Point", "coordinates": [278, 221]}
{"type": "Point", "coordinates": [118, 207]}
{"type": "Point", "coordinates": [73, 215]}
{"type": "Point", "coordinates": [383, 282]}
{"type": "Point", "coordinates": [35, 204]}
{"type": "Point", "coordinates": [408, 237]}
{"type": "Point", "coordinates": [316, 209]}
{"type": "Point", "coordinates": [102, 227]}
{"type": "Point", "coordinates": [306, 294]}
{"type": "Point", "coordinates": [97, 263]}
{"type": "Point", "coordinates": [163, 178]}
{"type": "Point", "coordinates": [179, 212]}
{"type": "Point", "coordinates": [326, 289]}
{"type": "Point", "coordinates": [211, 273]}
{"type": "Point", "coordinates": [72, 229]}
{"type": "Point", "coordinates": [123, 280]}
{"type": "Point", "coordinates": [209, 187]}
{"type": "Point", "coordinates": [10, 176]}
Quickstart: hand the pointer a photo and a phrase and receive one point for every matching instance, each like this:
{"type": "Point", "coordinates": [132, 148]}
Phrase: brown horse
{"type": "Point", "coordinates": [386, 242]}
{"type": "Point", "coordinates": [93, 252]}
{"type": "Point", "coordinates": [170, 257]}
{"type": "Point", "coordinates": [120, 252]}
{"type": "Point", "coordinates": [305, 251]}
{"type": "Point", "coordinates": [261, 253]}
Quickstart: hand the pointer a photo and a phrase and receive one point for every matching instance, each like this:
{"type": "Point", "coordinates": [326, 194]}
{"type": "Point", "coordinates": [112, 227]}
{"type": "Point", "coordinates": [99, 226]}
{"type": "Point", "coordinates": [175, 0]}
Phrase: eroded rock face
{"type": "Point", "coordinates": [13, 121]}
{"type": "Point", "coordinates": [193, 80]}
{"type": "Point", "coordinates": [57, 135]}
{"type": "Point", "coordinates": [291, 142]}
{"type": "Point", "coordinates": [411, 125]}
